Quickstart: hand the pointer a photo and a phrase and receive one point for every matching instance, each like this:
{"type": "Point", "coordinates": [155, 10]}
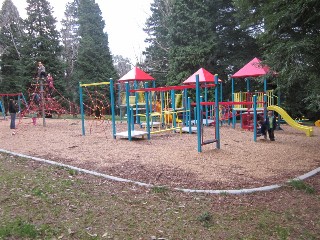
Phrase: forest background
{"type": "Point", "coordinates": [183, 36]}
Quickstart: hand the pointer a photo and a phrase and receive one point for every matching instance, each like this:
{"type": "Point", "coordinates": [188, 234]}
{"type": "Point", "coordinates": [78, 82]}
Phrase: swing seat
{"type": "Point", "coordinates": [208, 141]}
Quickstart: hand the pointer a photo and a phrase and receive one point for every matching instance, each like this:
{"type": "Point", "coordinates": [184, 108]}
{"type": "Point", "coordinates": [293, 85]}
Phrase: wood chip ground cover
{"type": "Point", "coordinates": [169, 159]}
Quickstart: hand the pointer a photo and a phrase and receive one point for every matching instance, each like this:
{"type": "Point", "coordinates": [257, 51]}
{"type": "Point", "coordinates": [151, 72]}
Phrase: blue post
{"type": "Point", "coordinates": [132, 118]}
{"type": "Point", "coordinates": [161, 110]}
{"type": "Point", "coordinates": [185, 102]}
{"type": "Point", "coordinates": [248, 84]}
{"type": "Point", "coordinates": [232, 99]}
{"type": "Point", "coordinates": [189, 114]}
{"type": "Point", "coordinates": [198, 113]}
{"type": "Point", "coordinates": [128, 111]}
{"type": "Point", "coordinates": [279, 104]}
{"type": "Point", "coordinates": [19, 103]}
{"type": "Point", "coordinates": [119, 99]}
{"type": "Point", "coordinates": [173, 100]}
{"type": "Point", "coordinates": [113, 117]}
{"type": "Point", "coordinates": [25, 101]}
{"type": "Point", "coordinates": [136, 101]}
{"type": "Point", "coordinates": [265, 85]}
{"type": "Point", "coordinates": [81, 110]}
{"type": "Point", "coordinates": [265, 105]}
{"type": "Point", "coordinates": [201, 112]}
{"type": "Point", "coordinates": [146, 96]}
{"type": "Point", "coordinates": [221, 96]}
{"type": "Point", "coordinates": [3, 109]}
{"type": "Point", "coordinates": [255, 118]}
{"type": "Point", "coordinates": [206, 107]}
{"type": "Point", "coordinates": [216, 94]}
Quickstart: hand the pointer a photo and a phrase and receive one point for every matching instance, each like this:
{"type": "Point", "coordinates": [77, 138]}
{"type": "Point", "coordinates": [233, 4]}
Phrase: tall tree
{"type": "Point", "coordinates": [290, 42]}
{"type": "Point", "coordinates": [11, 33]}
{"type": "Point", "coordinates": [157, 28]}
{"type": "Point", "coordinates": [70, 41]}
{"type": "Point", "coordinates": [42, 41]}
{"type": "Point", "coordinates": [94, 61]}
{"type": "Point", "coordinates": [187, 35]}
{"type": "Point", "coordinates": [191, 38]}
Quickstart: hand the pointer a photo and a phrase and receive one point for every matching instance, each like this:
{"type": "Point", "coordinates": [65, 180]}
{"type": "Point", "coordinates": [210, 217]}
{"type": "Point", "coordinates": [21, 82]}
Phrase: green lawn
{"type": "Point", "coordinates": [39, 201]}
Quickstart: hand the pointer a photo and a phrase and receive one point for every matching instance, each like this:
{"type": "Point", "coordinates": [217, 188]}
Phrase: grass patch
{"type": "Point", "coordinates": [206, 219]}
{"type": "Point", "coordinates": [301, 185]}
{"type": "Point", "coordinates": [73, 172]}
{"type": "Point", "coordinates": [283, 233]}
{"type": "Point", "coordinates": [18, 229]}
{"type": "Point", "coordinates": [38, 201]}
{"type": "Point", "coordinates": [159, 189]}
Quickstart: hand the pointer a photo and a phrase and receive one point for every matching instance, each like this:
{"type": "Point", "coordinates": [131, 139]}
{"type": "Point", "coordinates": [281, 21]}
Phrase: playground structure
{"type": "Point", "coordinates": [265, 100]}
{"type": "Point", "coordinates": [151, 105]}
{"type": "Point", "coordinates": [165, 109]}
{"type": "Point", "coordinates": [161, 114]}
{"type": "Point", "coordinates": [307, 130]}
{"type": "Point", "coordinates": [42, 100]}
{"type": "Point", "coordinates": [157, 113]}
{"type": "Point", "coordinates": [135, 77]}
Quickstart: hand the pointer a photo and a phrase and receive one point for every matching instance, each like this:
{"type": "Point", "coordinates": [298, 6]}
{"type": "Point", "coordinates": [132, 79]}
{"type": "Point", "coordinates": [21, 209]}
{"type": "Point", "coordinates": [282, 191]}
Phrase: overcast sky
{"type": "Point", "coordinates": [124, 20]}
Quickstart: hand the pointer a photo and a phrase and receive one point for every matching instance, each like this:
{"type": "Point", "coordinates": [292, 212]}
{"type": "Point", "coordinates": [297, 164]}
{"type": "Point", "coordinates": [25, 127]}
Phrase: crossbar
{"type": "Point", "coordinates": [94, 84]}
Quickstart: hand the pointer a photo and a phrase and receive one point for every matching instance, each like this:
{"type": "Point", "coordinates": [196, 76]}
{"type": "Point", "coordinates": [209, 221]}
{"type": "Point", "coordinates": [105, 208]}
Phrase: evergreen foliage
{"type": "Point", "coordinates": [42, 43]}
{"type": "Point", "coordinates": [94, 61]}
{"type": "Point", "coordinates": [11, 34]}
{"type": "Point", "coordinates": [70, 41]}
{"type": "Point", "coordinates": [289, 40]}
{"type": "Point", "coordinates": [183, 35]}
{"type": "Point", "coordinates": [157, 28]}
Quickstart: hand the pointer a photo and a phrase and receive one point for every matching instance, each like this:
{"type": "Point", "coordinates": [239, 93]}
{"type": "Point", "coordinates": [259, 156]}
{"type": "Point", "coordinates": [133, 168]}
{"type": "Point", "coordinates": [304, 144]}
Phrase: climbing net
{"type": "Point", "coordinates": [43, 95]}
{"type": "Point", "coordinates": [42, 98]}
{"type": "Point", "coordinates": [97, 106]}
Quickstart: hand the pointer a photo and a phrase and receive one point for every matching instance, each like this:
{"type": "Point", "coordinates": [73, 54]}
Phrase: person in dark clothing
{"type": "Point", "coordinates": [13, 111]}
{"type": "Point", "coordinates": [97, 113]}
{"type": "Point", "coordinates": [271, 125]}
{"type": "Point", "coordinates": [261, 126]}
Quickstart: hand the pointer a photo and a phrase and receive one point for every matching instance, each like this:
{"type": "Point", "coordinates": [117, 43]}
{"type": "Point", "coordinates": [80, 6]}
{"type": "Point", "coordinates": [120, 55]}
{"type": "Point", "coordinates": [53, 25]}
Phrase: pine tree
{"type": "Point", "coordinates": [11, 33]}
{"type": "Point", "coordinates": [94, 61]}
{"type": "Point", "coordinates": [71, 41]}
{"type": "Point", "coordinates": [289, 39]}
{"type": "Point", "coordinates": [187, 35]}
{"type": "Point", "coordinates": [42, 42]}
{"type": "Point", "coordinates": [157, 28]}
{"type": "Point", "coordinates": [192, 38]}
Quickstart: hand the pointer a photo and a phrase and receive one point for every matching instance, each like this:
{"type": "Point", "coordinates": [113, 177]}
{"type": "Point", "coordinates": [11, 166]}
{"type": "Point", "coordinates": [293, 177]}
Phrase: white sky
{"type": "Point", "coordinates": [124, 20]}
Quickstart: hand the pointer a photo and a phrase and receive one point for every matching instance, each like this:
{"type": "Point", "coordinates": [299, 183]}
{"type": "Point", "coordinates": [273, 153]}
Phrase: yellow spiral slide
{"type": "Point", "coordinates": [308, 130]}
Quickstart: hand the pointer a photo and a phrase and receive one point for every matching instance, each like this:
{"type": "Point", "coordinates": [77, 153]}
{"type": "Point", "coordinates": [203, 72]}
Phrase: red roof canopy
{"type": "Point", "coordinates": [136, 74]}
{"type": "Point", "coordinates": [204, 77]}
{"type": "Point", "coordinates": [252, 69]}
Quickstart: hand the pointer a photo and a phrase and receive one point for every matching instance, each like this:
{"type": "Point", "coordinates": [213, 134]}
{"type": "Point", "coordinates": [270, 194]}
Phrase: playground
{"type": "Point", "coordinates": [153, 139]}
{"type": "Point", "coordinates": [169, 158]}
